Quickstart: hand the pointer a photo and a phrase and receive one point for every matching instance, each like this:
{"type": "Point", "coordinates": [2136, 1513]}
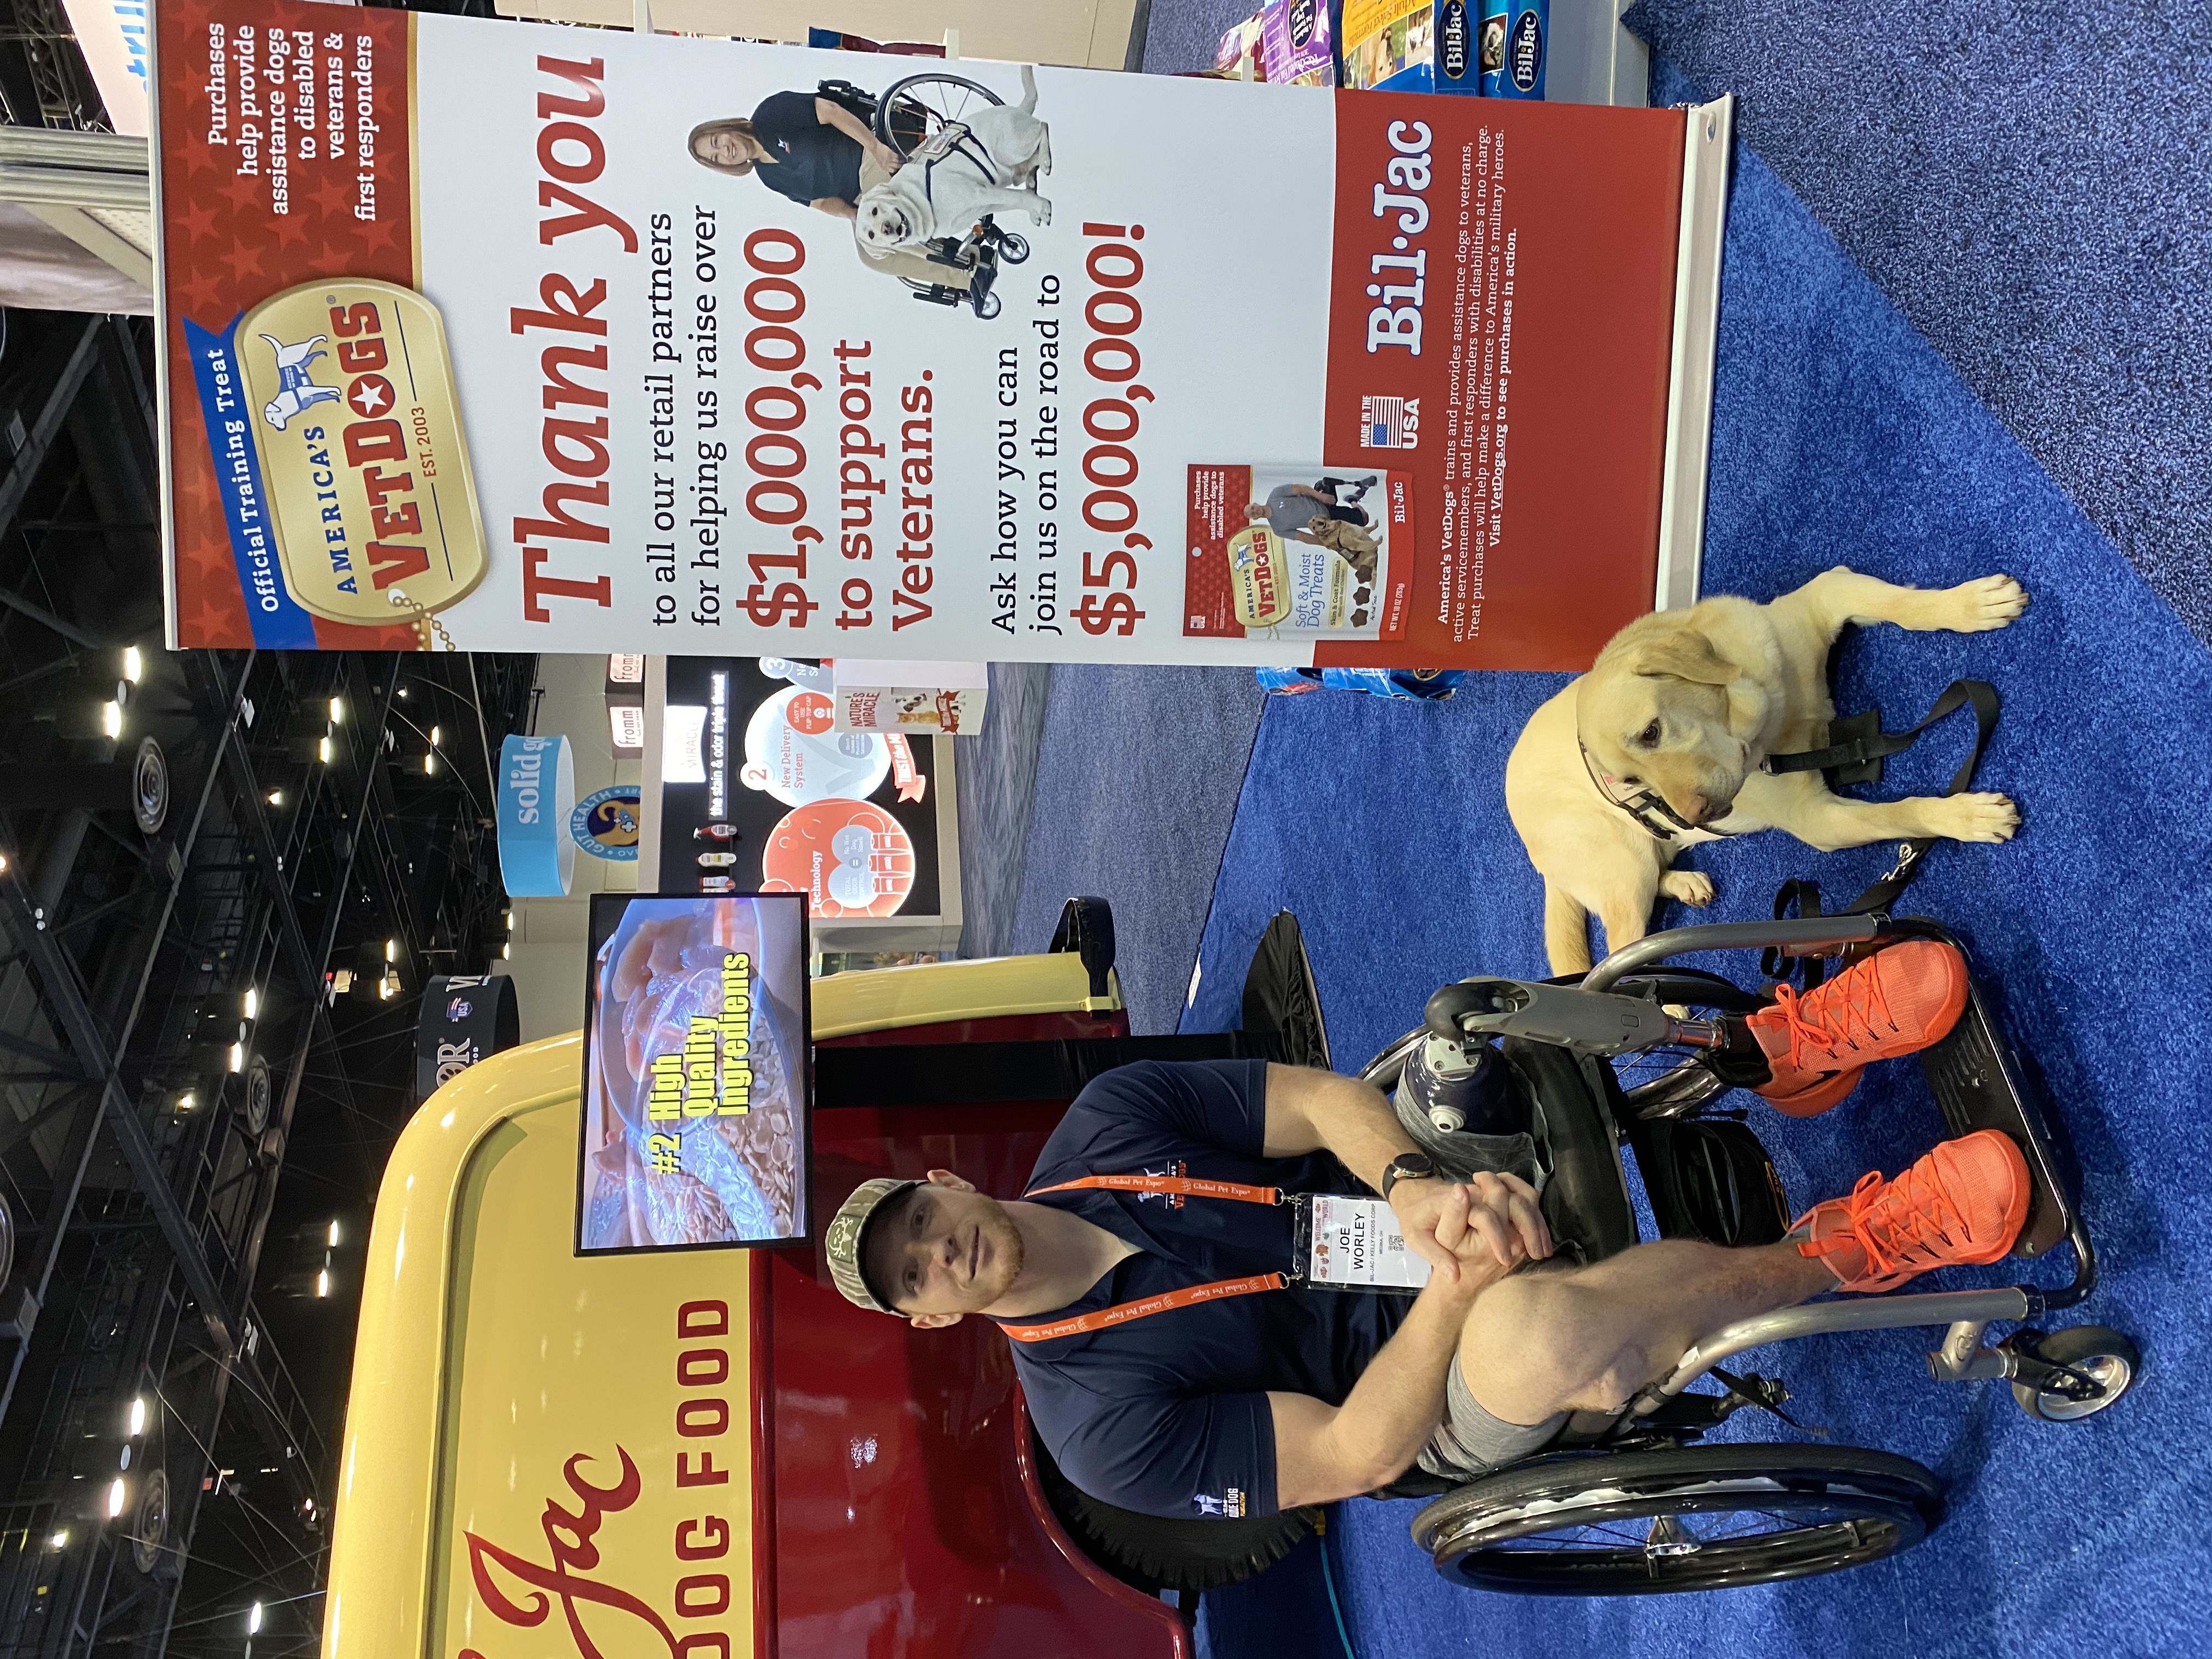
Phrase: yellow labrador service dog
{"type": "Point", "coordinates": [1685, 705]}
{"type": "Point", "coordinates": [988, 161]}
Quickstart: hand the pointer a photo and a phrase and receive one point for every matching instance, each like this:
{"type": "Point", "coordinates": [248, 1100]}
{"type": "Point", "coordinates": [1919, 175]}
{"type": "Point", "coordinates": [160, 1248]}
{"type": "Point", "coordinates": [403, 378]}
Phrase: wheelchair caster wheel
{"type": "Point", "coordinates": [2104, 1356]}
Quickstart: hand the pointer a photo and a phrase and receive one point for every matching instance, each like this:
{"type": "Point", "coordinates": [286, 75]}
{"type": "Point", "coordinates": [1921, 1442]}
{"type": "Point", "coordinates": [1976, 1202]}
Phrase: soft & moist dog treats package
{"type": "Point", "coordinates": [1303, 550]}
{"type": "Point", "coordinates": [1411, 45]}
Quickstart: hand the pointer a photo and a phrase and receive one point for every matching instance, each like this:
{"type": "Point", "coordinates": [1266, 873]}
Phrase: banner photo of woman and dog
{"type": "Point", "coordinates": [492, 336]}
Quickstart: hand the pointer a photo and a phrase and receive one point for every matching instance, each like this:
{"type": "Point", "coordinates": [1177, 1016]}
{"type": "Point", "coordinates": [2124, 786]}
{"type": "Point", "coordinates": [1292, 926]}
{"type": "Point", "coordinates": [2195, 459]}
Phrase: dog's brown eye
{"type": "Point", "coordinates": [1648, 735]}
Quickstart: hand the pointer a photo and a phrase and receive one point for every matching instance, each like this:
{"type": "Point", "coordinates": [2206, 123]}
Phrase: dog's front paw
{"type": "Point", "coordinates": [1985, 603]}
{"type": "Point", "coordinates": [1974, 818]}
{"type": "Point", "coordinates": [1041, 211]}
{"type": "Point", "coordinates": [1691, 887]}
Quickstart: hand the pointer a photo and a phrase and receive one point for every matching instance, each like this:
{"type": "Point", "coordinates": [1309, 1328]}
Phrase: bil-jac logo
{"type": "Point", "coordinates": [571, 1542]}
{"type": "Point", "coordinates": [522, 1592]}
{"type": "Point", "coordinates": [1528, 57]}
{"type": "Point", "coordinates": [1451, 38]}
{"type": "Point", "coordinates": [373, 506]}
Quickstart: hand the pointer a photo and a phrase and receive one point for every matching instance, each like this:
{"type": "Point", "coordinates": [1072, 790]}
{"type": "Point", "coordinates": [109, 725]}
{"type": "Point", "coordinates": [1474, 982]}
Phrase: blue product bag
{"type": "Point", "coordinates": [1514, 40]}
{"type": "Point", "coordinates": [1377, 682]}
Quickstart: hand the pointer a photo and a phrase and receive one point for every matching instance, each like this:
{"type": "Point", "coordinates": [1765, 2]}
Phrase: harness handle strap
{"type": "Point", "coordinates": [1858, 752]}
{"type": "Point", "coordinates": [1978, 695]}
{"type": "Point", "coordinates": [1803, 897]}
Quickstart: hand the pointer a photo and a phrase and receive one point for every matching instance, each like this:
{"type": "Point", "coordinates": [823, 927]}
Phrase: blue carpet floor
{"type": "Point", "coordinates": [1841, 436]}
{"type": "Point", "coordinates": [1137, 780]}
{"type": "Point", "coordinates": [2031, 184]}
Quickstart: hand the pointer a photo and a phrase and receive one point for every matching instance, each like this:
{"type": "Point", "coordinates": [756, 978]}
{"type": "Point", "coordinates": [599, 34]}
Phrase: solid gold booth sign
{"type": "Point", "coordinates": [360, 436]}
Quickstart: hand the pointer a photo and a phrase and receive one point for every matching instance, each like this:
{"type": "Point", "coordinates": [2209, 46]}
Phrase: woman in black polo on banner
{"type": "Point", "coordinates": [808, 149]}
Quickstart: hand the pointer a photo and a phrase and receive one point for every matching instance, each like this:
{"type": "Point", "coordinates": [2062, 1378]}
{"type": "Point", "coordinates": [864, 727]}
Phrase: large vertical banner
{"type": "Point", "coordinates": [503, 337]}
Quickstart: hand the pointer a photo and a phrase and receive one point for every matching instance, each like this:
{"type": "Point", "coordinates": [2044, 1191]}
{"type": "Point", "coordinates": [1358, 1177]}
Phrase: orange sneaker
{"type": "Point", "coordinates": [1897, 1001]}
{"type": "Point", "coordinates": [1962, 1204]}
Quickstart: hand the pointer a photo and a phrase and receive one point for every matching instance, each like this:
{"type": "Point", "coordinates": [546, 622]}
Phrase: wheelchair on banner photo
{"type": "Point", "coordinates": [911, 115]}
{"type": "Point", "coordinates": [1643, 1507]}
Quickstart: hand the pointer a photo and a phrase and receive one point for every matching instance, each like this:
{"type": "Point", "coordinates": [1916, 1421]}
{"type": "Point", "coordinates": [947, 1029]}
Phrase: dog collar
{"type": "Point", "coordinates": [1644, 804]}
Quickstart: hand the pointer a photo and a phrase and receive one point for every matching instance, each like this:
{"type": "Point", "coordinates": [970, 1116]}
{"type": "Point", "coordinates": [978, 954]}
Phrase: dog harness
{"type": "Point", "coordinates": [1857, 759]}
{"type": "Point", "coordinates": [953, 138]}
{"type": "Point", "coordinates": [1123, 1313]}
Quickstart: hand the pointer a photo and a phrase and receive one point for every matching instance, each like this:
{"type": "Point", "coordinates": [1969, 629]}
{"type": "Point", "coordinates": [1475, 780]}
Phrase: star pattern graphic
{"type": "Point", "coordinates": [224, 251]}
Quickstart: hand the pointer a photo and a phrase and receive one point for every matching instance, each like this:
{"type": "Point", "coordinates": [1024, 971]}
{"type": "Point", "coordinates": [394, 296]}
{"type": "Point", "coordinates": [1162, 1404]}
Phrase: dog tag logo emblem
{"type": "Point", "coordinates": [371, 497]}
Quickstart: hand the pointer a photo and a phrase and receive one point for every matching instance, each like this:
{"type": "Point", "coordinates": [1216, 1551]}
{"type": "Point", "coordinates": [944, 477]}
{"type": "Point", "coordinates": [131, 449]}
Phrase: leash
{"type": "Point", "coordinates": [1860, 759]}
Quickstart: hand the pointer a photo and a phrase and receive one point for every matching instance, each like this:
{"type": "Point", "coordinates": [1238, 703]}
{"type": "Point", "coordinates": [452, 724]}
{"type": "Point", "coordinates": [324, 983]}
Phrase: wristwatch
{"type": "Point", "coordinates": [1406, 1166]}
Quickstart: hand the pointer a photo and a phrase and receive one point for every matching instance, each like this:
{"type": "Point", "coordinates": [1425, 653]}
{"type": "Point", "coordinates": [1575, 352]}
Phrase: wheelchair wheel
{"type": "Point", "coordinates": [1669, 1082]}
{"type": "Point", "coordinates": [2103, 1355]}
{"type": "Point", "coordinates": [1152, 1553]}
{"type": "Point", "coordinates": [912, 110]}
{"type": "Point", "coordinates": [1014, 247]}
{"type": "Point", "coordinates": [1690, 1518]}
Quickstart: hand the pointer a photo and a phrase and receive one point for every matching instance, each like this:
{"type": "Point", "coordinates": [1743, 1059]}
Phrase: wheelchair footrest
{"type": "Point", "coordinates": [1976, 1084]}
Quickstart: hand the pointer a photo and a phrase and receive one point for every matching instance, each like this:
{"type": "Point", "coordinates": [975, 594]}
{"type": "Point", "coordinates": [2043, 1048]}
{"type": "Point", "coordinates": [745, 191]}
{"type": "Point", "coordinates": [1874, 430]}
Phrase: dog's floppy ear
{"type": "Point", "coordinates": [1684, 654]}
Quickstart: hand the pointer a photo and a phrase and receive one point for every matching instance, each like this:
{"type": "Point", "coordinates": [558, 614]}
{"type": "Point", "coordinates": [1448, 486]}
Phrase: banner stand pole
{"type": "Point", "coordinates": [1705, 156]}
{"type": "Point", "coordinates": [641, 15]}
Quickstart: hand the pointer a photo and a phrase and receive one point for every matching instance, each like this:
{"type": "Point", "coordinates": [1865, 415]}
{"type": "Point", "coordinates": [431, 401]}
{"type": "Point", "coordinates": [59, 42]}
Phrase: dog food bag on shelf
{"type": "Point", "coordinates": [1410, 46]}
{"type": "Point", "coordinates": [1306, 549]}
{"type": "Point", "coordinates": [1244, 40]}
{"type": "Point", "coordinates": [1422, 684]}
{"type": "Point", "coordinates": [1516, 39]}
{"type": "Point", "coordinates": [1296, 42]}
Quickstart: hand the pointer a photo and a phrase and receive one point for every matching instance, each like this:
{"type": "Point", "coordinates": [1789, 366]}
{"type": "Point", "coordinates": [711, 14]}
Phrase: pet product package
{"type": "Point", "coordinates": [1304, 549]}
{"type": "Point", "coordinates": [914, 697]}
{"type": "Point", "coordinates": [1243, 41]}
{"type": "Point", "coordinates": [1294, 45]}
{"type": "Point", "coordinates": [1421, 684]}
{"type": "Point", "coordinates": [1516, 39]}
{"type": "Point", "coordinates": [1411, 45]}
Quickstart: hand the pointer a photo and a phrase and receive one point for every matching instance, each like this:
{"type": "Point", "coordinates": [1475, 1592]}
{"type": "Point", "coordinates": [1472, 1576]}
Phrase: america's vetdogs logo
{"type": "Point", "coordinates": [371, 497]}
{"type": "Point", "coordinates": [296, 390]}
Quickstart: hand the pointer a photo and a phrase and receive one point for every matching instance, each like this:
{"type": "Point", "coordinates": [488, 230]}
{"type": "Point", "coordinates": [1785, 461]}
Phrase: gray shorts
{"type": "Point", "coordinates": [1471, 1441]}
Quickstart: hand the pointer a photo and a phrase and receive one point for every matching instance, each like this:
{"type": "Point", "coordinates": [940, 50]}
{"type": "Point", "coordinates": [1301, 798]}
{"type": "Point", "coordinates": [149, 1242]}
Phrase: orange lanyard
{"type": "Point", "coordinates": [1123, 1313]}
{"type": "Point", "coordinates": [1180, 1186]}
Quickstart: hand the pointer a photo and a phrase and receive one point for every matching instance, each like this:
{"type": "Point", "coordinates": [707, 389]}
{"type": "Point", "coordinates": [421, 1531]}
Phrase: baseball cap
{"type": "Point", "coordinates": [847, 1236]}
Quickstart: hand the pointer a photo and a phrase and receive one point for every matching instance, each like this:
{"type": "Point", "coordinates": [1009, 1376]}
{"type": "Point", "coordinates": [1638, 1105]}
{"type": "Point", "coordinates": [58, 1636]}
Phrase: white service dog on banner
{"type": "Point", "coordinates": [988, 163]}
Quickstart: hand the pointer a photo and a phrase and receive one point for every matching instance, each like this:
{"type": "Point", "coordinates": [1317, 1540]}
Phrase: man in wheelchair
{"type": "Point", "coordinates": [1170, 1370]}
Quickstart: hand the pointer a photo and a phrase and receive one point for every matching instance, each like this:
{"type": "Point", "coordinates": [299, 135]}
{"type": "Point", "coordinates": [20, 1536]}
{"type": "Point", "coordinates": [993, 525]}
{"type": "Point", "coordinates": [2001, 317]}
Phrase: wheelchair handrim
{"type": "Point", "coordinates": [1595, 1552]}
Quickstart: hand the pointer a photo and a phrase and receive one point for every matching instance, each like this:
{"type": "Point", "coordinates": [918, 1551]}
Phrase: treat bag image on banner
{"type": "Point", "coordinates": [489, 335]}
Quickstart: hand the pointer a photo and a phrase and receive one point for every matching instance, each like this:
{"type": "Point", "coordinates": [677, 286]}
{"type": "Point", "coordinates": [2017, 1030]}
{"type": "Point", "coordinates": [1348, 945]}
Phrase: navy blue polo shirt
{"type": "Point", "coordinates": [1167, 1415]}
{"type": "Point", "coordinates": [810, 161]}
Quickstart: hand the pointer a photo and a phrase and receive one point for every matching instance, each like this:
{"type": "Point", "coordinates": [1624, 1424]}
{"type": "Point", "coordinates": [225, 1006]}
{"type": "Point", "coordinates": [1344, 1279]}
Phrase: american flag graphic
{"type": "Point", "coordinates": [1382, 425]}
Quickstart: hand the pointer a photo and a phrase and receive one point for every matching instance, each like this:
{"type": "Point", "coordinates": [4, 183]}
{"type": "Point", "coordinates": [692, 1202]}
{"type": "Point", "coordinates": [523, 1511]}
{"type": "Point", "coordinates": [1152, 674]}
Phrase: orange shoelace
{"type": "Point", "coordinates": [1905, 1225]}
{"type": "Point", "coordinates": [1814, 1038]}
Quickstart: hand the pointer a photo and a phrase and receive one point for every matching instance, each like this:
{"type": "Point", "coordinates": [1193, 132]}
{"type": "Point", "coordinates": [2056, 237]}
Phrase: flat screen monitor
{"type": "Point", "coordinates": [697, 1078]}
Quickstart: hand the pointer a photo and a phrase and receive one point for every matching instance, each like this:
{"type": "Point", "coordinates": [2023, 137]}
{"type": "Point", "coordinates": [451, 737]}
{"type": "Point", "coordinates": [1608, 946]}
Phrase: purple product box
{"type": "Point", "coordinates": [1295, 43]}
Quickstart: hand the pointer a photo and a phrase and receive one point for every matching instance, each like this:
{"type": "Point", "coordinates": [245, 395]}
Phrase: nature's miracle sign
{"type": "Point", "coordinates": [491, 335]}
